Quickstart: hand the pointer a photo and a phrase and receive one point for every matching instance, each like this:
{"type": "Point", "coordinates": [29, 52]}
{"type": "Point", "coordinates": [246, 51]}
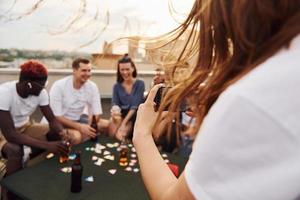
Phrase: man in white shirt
{"type": "Point", "coordinates": [18, 101]}
{"type": "Point", "coordinates": [70, 96]}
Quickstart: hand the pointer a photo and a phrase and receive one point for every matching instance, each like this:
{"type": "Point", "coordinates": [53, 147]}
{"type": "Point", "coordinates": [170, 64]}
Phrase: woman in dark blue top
{"type": "Point", "coordinates": [128, 94]}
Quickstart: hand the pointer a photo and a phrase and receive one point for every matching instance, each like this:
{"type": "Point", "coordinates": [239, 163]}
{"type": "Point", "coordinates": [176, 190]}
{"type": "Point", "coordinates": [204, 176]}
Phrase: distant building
{"type": "Point", "coordinates": [105, 61]}
{"type": "Point", "coordinates": [109, 60]}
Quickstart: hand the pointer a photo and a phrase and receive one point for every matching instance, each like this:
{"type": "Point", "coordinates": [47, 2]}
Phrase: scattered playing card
{"type": "Point", "coordinates": [98, 163]}
{"type": "Point", "coordinates": [94, 158]}
{"type": "Point", "coordinates": [130, 145]}
{"type": "Point", "coordinates": [109, 157]}
{"type": "Point", "coordinates": [87, 148]}
{"type": "Point", "coordinates": [164, 155]}
{"type": "Point", "coordinates": [116, 144]}
{"type": "Point", "coordinates": [110, 145]}
{"type": "Point", "coordinates": [99, 146]}
{"type": "Point", "coordinates": [89, 179]}
{"type": "Point", "coordinates": [131, 164]}
{"type": "Point", "coordinates": [50, 155]}
{"type": "Point", "coordinates": [136, 170]}
{"type": "Point", "coordinates": [106, 153]}
{"type": "Point", "coordinates": [133, 149]}
{"type": "Point", "coordinates": [98, 151]}
{"type": "Point", "coordinates": [112, 171]}
{"type": "Point", "coordinates": [92, 148]}
{"type": "Point", "coordinates": [133, 155]}
{"type": "Point", "coordinates": [72, 156]}
{"type": "Point", "coordinates": [133, 161]}
{"type": "Point", "coordinates": [167, 161]}
{"type": "Point", "coordinates": [66, 169]}
{"type": "Point", "coordinates": [119, 149]}
{"type": "Point", "coordinates": [129, 169]}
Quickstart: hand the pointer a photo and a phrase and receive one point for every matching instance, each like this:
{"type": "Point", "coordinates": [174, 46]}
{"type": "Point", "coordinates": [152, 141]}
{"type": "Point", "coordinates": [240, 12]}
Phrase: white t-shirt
{"type": "Point", "coordinates": [69, 102]}
{"type": "Point", "coordinates": [248, 146]}
{"type": "Point", "coordinates": [20, 108]}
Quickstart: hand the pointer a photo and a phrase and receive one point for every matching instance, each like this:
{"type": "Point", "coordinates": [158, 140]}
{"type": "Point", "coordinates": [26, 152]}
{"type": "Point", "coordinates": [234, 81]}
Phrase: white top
{"type": "Point", "coordinates": [20, 108]}
{"type": "Point", "coordinates": [248, 147]}
{"type": "Point", "coordinates": [69, 102]}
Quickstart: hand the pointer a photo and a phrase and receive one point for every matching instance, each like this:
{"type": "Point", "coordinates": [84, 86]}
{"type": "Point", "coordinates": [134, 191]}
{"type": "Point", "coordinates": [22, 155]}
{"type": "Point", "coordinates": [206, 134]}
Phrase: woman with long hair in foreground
{"type": "Point", "coordinates": [246, 82]}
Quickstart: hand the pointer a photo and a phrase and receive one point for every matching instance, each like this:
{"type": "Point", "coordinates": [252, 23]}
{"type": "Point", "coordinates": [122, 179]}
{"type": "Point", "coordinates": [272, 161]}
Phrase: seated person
{"type": "Point", "coordinates": [128, 95]}
{"type": "Point", "coordinates": [71, 95]}
{"type": "Point", "coordinates": [19, 100]}
{"type": "Point", "coordinates": [176, 135]}
{"type": "Point", "coordinates": [159, 77]}
{"type": "Point", "coordinates": [188, 132]}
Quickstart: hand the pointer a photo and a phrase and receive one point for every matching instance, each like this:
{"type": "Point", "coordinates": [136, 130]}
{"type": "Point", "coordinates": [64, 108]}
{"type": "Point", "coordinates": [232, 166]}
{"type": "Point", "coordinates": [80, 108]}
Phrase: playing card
{"type": "Point", "coordinates": [94, 158]}
{"type": "Point", "coordinates": [112, 171]}
{"type": "Point", "coordinates": [98, 151]}
{"type": "Point", "coordinates": [116, 144]}
{"type": "Point", "coordinates": [164, 155]}
{"type": "Point", "coordinates": [133, 155]}
{"type": "Point", "coordinates": [72, 156]}
{"type": "Point", "coordinates": [66, 169]}
{"type": "Point", "coordinates": [89, 179]}
{"type": "Point", "coordinates": [50, 155]}
{"type": "Point", "coordinates": [133, 160]}
{"type": "Point", "coordinates": [136, 170]}
{"type": "Point", "coordinates": [98, 163]}
{"type": "Point", "coordinates": [129, 169]}
{"type": "Point", "coordinates": [110, 145]}
{"type": "Point", "coordinates": [99, 146]}
{"type": "Point", "coordinates": [109, 157]}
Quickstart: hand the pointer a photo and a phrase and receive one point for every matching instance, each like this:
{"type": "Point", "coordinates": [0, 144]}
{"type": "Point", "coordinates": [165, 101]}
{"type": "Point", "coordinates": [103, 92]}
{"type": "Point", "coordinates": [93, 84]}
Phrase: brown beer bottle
{"type": "Point", "coordinates": [94, 126]}
{"type": "Point", "coordinates": [123, 159]}
{"type": "Point", "coordinates": [65, 157]}
{"type": "Point", "coordinates": [76, 175]}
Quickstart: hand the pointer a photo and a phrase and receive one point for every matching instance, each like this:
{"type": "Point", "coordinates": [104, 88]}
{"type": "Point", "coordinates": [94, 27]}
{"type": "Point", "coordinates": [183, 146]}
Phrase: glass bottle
{"type": "Point", "coordinates": [123, 157]}
{"type": "Point", "coordinates": [94, 126]}
{"type": "Point", "coordinates": [65, 157]}
{"type": "Point", "coordinates": [76, 175]}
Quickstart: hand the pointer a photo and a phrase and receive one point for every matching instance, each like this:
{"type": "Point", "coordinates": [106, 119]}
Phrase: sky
{"type": "Point", "coordinates": [52, 26]}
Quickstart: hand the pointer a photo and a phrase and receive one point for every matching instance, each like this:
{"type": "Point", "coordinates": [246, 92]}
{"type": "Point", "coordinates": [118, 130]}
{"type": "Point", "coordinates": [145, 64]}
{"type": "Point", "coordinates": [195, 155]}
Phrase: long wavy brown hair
{"type": "Point", "coordinates": [229, 38]}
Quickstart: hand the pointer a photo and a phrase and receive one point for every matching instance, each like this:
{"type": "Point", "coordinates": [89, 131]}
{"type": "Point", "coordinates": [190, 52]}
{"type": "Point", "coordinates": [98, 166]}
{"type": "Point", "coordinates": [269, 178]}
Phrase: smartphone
{"type": "Point", "coordinates": [161, 92]}
{"type": "Point", "coordinates": [183, 106]}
